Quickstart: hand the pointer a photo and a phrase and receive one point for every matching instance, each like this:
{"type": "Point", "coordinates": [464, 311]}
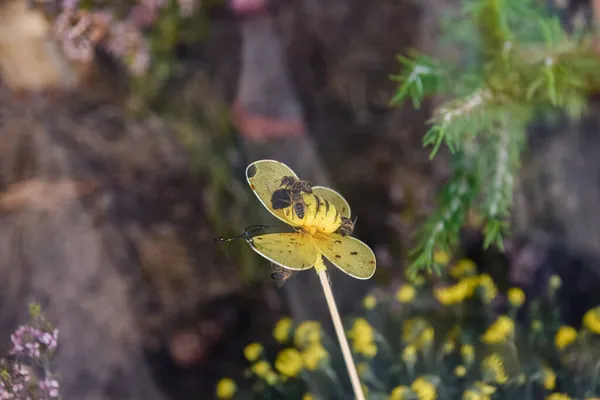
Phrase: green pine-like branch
{"type": "Point", "coordinates": [525, 62]}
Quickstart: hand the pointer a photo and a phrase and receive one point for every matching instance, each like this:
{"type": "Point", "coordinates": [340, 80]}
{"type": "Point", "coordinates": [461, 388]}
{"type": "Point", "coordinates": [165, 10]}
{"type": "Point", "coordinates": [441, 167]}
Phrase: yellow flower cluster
{"type": "Point", "coordinates": [493, 369]}
{"type": "Point", "coordinates": [591, 320]}
{"type": "Point", "coordinates": [501, 331]}
{"type": "Point", "coordinates": [289, 362]}
{"type": "Point", "coordinates": [479, 391]}
{"type": "Point", "coordinates": [263, 370]}
{"type": "Point", "coordinates": [308, 332]}
{"type": "Point", "coordinates": [362, 335]}
{"type": "Point", "coordinates": [418, 332]}
{"type": "Point", "coordinates": [282, 329]}
{"type": "Point", "coordinates": [313, 355]}
{"type": "Point", "coordinates": [226, 389]}
{"type": "Point", "coordinates": [564, 336]}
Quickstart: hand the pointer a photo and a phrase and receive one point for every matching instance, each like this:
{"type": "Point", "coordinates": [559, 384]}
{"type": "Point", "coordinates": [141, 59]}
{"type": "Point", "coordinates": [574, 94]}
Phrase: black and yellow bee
{"type": "Point", "coordinates": [290, 194]}
{"type": "Point", "coordinates": [280, 275]}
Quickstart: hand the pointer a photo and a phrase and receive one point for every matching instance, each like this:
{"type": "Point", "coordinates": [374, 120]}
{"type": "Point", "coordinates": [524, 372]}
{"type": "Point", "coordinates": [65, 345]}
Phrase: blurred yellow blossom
{"type": "Point", "coordinates": [365, 390]}
{"type": "Point", "coordinates": [549, 378]}
{"type": "Point", "coordinates": [427, 337]}
{"type": "Point", "coordinates": [409, 355]}
{"type": "Point", "coordinates": [558, 396]}
{"type": "Point", "coordinates": [460, 371]}
{"type": "Point", "coordinates": [565, 336]}
{"type": "Point", "coordinates": [479, 391]}
{"type": "Point", "coordinates": [308, 396]}
{"type": "Point", "coordinates": [493, 369]}
{"type": "Point", "coordinates": [400, 393]}
{"type": "Point", "coordinates": [467, 353]}
{"type": "Point", "coordinates": [516, 297]}
{"type": "Point", "coordinates": [362, 335]}
{"type": "Point", "coordinates": [486, 283]}
{"type": "Point", "coordinates": [591, 320]}
{"type": "Point", "coordinates": [313, 355]}
{"type": "Point", "coordinates": [424, 389]}
{"type": "Point", "coordinates": [448, 346]}
{"type": "Point", "coordinates": [406, 293]}
{"type": "Point", "coordinates": [453, 294]}
{"type": "Point", "coordinates": [263, 370]}
{"type": "Point", "coordinates": [537, 325]}
{"type": "Point", "coordinates": [501, 331]}
{"type": "Point", "coordinates": [253, 351]}
{"type": "Point", "coordinates": [226, 388]}
{"type": "Point", "coordinates": [441, 257]}
{"type": "Point", "coordinates": [362, 368]}
{"type": "Point", "coordinates": [369, 302]}
{"type": "Point", "coordinates": [418, 332]}
{"type": "Point", "coordinates": [308, 332]}
{"type": "Point", "coordinates": [555, 282]}
{"type": "Point", "coordinates": [463, 269]}
{"type": "Point", "coordinates": [282, 329]}
{"type": "Point", "coordinates": [289, 362]}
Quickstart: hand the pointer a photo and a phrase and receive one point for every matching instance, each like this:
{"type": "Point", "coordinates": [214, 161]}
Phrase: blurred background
{"type": "Point", "coordinates": [126, 128]}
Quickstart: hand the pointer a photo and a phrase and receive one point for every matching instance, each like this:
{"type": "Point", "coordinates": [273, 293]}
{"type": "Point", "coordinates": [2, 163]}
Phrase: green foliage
{"type": "Point", "coordinates": [516, 61]}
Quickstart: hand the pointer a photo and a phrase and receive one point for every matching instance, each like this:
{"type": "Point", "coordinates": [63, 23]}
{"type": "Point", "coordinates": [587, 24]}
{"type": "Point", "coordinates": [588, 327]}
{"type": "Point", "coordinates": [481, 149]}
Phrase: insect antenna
{"type": "Point", "coordinates": [245, 234]}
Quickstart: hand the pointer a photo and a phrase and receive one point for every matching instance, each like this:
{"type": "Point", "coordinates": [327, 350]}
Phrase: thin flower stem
{"type": "Point", "coordinates": [339, 330]}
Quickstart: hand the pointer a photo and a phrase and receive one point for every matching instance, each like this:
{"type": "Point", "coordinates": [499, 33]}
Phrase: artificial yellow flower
{"type": "Point", "coordinates": [493, 369]}
{"type": "Point", "coordinates": [313, 355]}
{"type": "Point", "coordinates": [409, 355]}
{"type": "Point", "coordinates": [400, 393]}
{"type": "Point", "coordinates": [558, 396]}
{"type": "Point", "coordinates": [253, 351]}
{"type": "Point", "coordinates": [362, 335]}
{"type": "Point", "coordinates": [226, 388]}
{"type": "Point", "coordinates": [489, 288]}
{"type": "Point", "coordinates": [369, 302]}
{"type": "Point", "coordinates": [516, 297]}
{"type": "Point", "coordinates": [501, 331]}
{"type": "Point", "coordinates": [467, 353]}
{"type": "Point", "coordinates": [424, 389]}
{"type": "Point", "coordinates": [591, 320]}
{"type": "Point", "coordinates": [460, 371]}
{"type": "Point", "coordinates": [308, 332]}
{"type": "Point", "coordinates": [406, 293]}
{"type": "Point", "coordinates": [289, 362]}
{"type": "Point", "coordinates": [441, 257]}
{"type": "Point", "coordinates": [308, 396]}
{"type": "Point", "coordinates": [549, 378]}
{"type": "Point", "coordinates": [564, 336]}
{"type": "Point", "coordinates": [282, 329]}
{"type": "Point", "coordinates": [463, 269]}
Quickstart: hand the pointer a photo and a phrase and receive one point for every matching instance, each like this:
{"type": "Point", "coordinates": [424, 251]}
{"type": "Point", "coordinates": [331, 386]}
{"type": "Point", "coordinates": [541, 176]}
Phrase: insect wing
{"type": "Point", "coordinates": [262, 176]}
{"type": "Point", "coordinates": [348, 254]}
{"type": "Point", "coordinates": [338, 201]}
{"type": "Point", "coordinates": [295, 251]}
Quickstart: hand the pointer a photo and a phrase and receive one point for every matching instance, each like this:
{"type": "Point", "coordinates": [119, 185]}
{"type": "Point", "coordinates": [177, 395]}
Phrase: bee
{"type": "Point", "coordinates": [286, 197]}
{"type": "Point", "coordinates": [281, 275]}
{"type": "Point", "coordinates": [347, 226]}
{"type": "Point", "coordinates": [295, 185]}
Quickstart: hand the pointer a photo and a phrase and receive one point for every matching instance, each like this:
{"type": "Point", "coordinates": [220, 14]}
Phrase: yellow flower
{"type": "Point", "coordinates": [400, 393]}
{"type": "Point", "coordinates": [362, 335]}
{"type": "Point", "coordinates": [460, 371]}
{"type": "Point", "coordinates": [565, 336]}
{"type": "Point", "coordinates": [500, 331]}
{"type": "Point", "coordinates": [289, 362]}
{"type": "Point", "coordinates": [591, 320]}
{"type": "Point", "coordinates": [448, 346]}
{"type": "Point", "coordinates": [424, 389]}
{"type": "Point", "coordinates": [409, 355]}
{"type": "Point", "coordinates": [558, 396]}
{"type": "Point", "coordinates": [489, 288]}
{"type": "Point", "coordinates": [406, 293]}
{"type": "Point", "coordinates": [441, 257]}
{"type": "Point", "coordinates": [493, 369]}
{"type": "Point", "coordinates": [549, 378]}
{"type": "Point", "coordinates": [479, 391]}
{"type": "Point", "coordinates": [307, 332]}
{"type": "Point", "coordinates": [263, 370]}
{"type": "Point", "coordinates": [555, 282]}
{"type": "Point", "coordinates": [427, 337]}
{"type": "Point", "coordinates": [463, 268]}
{"type": "Point", "coordinates": [282, 329]}
{"type": "Point", "coordinates": [369, 302]}
{"type": "Point", "coordinates": [312, 356]}
{"type": "Point", "coordinates": [468, 353]}
{"type": "Point", "coordinates": [226, 388]}
{"type": "Point", "coordinates": [308, 396]}
{"type": "Point", "coordinates": [453, 294]}
{"type": "Point", "coordinates": [253, 351]}
{"type": "Point", "coordinates": [516, 297]}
